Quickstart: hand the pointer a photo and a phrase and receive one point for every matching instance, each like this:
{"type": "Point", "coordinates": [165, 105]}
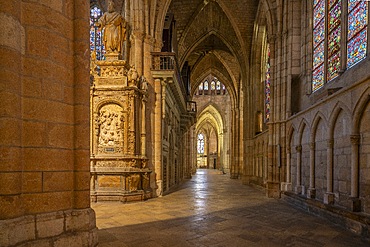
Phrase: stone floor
{"type": "Point", "coordinates": [213, 210]}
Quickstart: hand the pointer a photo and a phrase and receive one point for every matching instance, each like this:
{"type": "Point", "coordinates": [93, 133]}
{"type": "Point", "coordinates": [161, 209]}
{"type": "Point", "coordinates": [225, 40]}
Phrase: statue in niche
{"type": "Point", "coordinates": [110, 122]}
{"type": "Point", "coordinates": [114, 28]}
{"type": "Point", "coordinates": [144, 84]}
{"type": "Point", "coordinates": [132, 76]}
{"type": "Point", "coordinates": [93, 66]}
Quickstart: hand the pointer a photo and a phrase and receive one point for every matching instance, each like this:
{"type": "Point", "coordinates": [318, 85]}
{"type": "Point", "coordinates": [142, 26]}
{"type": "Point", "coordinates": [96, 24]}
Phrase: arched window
{"type": "Point", "coordinates": [327, 36]}
{"type": "Point", "coordinates": [218, 85]}
{"type": "Point", "coordinates": [213, 85]}
{"type": "Point", "coordinates": [96, 34]}
{"type": "Point", "coordinates": [205, 87]}
{"type": "Point", "coordinates": [268, 86]}
{"type": "Point", "coordinates": [357, 31]}
{"type": "Point", "coordinates": [200, 144]}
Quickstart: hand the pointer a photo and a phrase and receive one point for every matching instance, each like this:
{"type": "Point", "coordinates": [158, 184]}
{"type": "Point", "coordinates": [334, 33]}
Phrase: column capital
{"type": "Point", "coordinates": [312, 145]}
{"type": "Point", "coordinates": [330, 143]}
{"type": "Point", "coordinates": [298, 148]}
{"type": "Point", "coordinates": [355, 139]}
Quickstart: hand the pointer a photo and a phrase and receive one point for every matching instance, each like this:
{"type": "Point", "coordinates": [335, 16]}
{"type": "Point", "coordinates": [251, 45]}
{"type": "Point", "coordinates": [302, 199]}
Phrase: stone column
{"type": "Point", "coordinates": [11, 49]}
{"type": "Point", "coordinates": [329, 195]}
{"type": "Point", "coordinates": [157, 130]}
{"type": "Point", "coordinates": [298, 187]}
{"type": "Point", "coordinates": [355, 201]}
{"type": "Point", "coordinates": [287, 186]}
{"type": "Point", "coordinates": [143, 125]}
{"type": "Point", "coordinates": [311, 192]}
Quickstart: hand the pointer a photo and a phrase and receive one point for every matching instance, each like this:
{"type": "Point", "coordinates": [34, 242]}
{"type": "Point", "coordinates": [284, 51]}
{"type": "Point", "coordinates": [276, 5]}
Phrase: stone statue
{"type": "Point", "coordinates": [144, 83]}
{"type": "Point", "coordinates": [132, 76]}
{"type": "Point", "coordinates": [93, 66]}
{"type": "Point", "coordinates": [114, 27]}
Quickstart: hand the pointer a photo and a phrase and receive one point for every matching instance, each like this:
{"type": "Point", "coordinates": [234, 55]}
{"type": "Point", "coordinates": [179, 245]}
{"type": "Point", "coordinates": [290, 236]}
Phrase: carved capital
{"type": "Point", "coordinates": [355, 139]}
{"type": "Point", "coordinates": [298, 148]}
{"type": "Point", "coordinates": [330, 143]}
{"type": "Point", "coordinates": [312, 145]}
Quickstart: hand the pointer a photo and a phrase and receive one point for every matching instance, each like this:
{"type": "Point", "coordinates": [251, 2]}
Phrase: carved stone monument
{"type": "Point", "coordinates": [119, 169]}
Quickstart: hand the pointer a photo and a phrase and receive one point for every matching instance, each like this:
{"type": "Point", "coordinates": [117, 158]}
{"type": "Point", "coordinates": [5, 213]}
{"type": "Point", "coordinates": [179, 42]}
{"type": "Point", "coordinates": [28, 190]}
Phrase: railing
{"type": "Point", "coordinates": [167, 61]}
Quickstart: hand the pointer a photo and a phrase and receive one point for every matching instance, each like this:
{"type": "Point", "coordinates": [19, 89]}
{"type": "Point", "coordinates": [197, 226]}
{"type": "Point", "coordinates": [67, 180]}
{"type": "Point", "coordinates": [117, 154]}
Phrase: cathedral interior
{"type": "Point", "coordinates": [107, 103]}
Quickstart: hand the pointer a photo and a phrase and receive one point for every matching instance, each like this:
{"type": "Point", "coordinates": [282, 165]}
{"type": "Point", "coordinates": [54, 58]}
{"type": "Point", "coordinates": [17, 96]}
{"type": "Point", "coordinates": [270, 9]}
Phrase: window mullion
{"type": "Point", "coordinates": [344, 34]}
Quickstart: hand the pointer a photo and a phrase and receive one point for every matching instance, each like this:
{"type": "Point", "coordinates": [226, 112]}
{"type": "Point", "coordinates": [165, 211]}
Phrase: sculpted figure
{"type": "Point", "coordinates": [132, 76]}
{"type": "Point", "coordinates": [144, 84]}
{"type": "Point", "coordinates": [114, 28]}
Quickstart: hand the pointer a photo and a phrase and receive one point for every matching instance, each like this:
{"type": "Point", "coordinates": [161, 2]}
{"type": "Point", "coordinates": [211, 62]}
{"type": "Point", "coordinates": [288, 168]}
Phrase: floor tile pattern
{"type": "Point", "coordinates": [213, 210]}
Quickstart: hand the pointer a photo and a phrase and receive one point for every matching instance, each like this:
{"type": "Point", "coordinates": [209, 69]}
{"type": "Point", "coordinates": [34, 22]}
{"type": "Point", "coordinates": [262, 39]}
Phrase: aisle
{"type": "Point", "coordinates": [213, 210]}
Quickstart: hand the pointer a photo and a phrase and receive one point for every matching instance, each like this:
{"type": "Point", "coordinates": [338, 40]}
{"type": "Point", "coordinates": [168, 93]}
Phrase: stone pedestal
{"type": "Point", "coordinates": [355, 204]}
{"type": "Point", "coordinates": [286, 186]}
{"type": "Point", "coordinates": [299, 189]}
{"type": "Point", "coordinates": [119, 169]}
{"type": "Point", "coordinates": [273, 189]}
{"type": "Point", "coordinates": [329, 198]}
{"type": "Point", "coordinates": [311, 193]}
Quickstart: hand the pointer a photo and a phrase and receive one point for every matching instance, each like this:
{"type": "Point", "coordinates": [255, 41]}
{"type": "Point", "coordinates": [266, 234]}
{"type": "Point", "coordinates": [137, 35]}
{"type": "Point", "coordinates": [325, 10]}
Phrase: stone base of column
{"type": "Point", "coordinates": [329, 198]}
{"type": "Point", "coordinates": [234, 175]}
{"type": "Point", "coordinates": [311, 193]}
{"type": "Point", "coordinates": [355, 204]}
{"type": "Point", "coordinates": [246, 179]}
{"type": "Point", "coordinates": [159, 190]}
{"type": "Point", "coordinates": [75, 228]}
{"type": "Point", "coordinates": [299, 189]}
{"type": "Point", "coordinates": [286, 186]}
{"type": "Point", "coordinates": [273, 189]}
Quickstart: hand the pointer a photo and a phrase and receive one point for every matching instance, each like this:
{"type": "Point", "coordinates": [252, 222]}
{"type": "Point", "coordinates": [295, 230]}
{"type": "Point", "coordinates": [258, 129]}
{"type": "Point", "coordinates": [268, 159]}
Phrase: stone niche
{"type": "Point", "coordinates": [118, 161]}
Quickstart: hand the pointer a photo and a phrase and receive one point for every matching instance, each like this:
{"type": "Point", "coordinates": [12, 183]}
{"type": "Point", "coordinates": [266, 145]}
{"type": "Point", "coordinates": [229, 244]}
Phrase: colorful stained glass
{"type": "Point", "coordinates": [334, 16]}
{"type": "Point", "coordinates": [352, 4]}
{"type": "Point", "coordinates": [200, 144]}
{"type": "Point", "coordinates": [319, 33]}
{"type": "Point", "coordinates": [268, 86]}
{"type": "Point", "coordinates": [206, 85]}
{"type": "Point", "coordinates": [357, 19]}
{"type": "Point", "coordinates": [201, 86]}
{"type": "Point", "coordinates": [356, 48]}
{"type": "Point", "coordinates": [96, 34]}
{"type": "Point", "coordinates": [218, 85]}
{"type": "Point", "coordinates": [213, 85]}
{"type": "Point", "coordinates": [332, 2]}
{"type": "Point", "coordinates": [318, 55]}
{"type": "Point", "coordinates": [334, 41]}
{"type": "Point", "coordinates": [318, 78]}
{"type": "Point", "coordinates": [319, 12]}
{"type": "Point", "coordinates": [333, 66]}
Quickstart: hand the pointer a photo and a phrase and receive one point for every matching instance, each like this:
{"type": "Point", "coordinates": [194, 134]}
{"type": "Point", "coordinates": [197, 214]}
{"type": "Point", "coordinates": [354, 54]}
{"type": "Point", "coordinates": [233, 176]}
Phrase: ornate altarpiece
{"type": "Point", "coordinates": [119, 169]}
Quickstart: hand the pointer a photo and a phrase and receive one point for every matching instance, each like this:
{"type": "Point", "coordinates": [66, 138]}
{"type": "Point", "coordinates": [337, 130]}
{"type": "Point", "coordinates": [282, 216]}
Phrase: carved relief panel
{"type": "Point", "coordinates": [110, 129]}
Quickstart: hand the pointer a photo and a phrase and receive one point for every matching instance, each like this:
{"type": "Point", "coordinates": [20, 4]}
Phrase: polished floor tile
{"type": "Point", "coordinates": [213, 210]}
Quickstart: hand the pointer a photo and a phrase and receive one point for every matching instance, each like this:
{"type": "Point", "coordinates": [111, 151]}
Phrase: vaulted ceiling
{"type": "Point", "coordinates": [213, 35]}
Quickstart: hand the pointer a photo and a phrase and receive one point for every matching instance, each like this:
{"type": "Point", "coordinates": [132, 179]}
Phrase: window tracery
{"type": "Point", "coordinates": [328, 33]}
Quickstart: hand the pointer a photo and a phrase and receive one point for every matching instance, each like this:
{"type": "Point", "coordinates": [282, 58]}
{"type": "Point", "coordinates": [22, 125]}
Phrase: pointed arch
{"type": "Point", "coordinates": [338, 108]}
{"type": "Point", "coordinates": [359, 110]}
{"type": "Point", "coordinates": [319, 116]}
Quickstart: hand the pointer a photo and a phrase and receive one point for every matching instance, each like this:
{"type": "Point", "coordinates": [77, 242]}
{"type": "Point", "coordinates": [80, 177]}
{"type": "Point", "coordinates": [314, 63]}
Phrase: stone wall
{"type": "Point", "coordinates": [44, 171]}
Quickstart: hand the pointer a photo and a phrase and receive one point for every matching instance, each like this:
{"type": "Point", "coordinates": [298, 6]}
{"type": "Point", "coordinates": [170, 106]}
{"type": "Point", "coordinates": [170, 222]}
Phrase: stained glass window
{"type": "Point", "coordinates": [95, 33]}
{"type": "Point", "coordinates": [213, 85]}
{"type": "Point", "coordinates": [357, 31]}
{"type": "Point", "coordinates": [334, 29]}
{"type": "Point", "coordinates": [200, 144]}
{"type": "Point", "coordinates": [268, 86]}
{"type": "Point", "coordinates": [318, 44]}
{"type": "Point", "coordinates": [201, 86]}
{"type": "Point", "coordinates": [218, 85]}
{"type": "Point", "coordinates": [206, 85]}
